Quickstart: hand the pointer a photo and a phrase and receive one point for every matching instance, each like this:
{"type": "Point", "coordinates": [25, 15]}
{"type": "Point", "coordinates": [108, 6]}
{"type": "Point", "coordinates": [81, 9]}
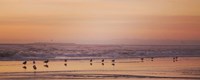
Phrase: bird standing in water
{"type": "Point", "coordinates": [102, 60]}
{"type": "Point", "coordinates": [34, 67]}
{"type": "Point", "coordinates": [176, 58]}
{"type": "Point", "coordinates": [46, 61]}
{"type": "Point", "coordinates": [91, 60]}
{"type": "Point", "coordinates": [34, 62]}
{"type": "Point", "coordinates": [152, 58]}
{"type": "Point", "coordinates": [142, 59]}
{"type": "Point", "coordinates": [25, 62]}
{"type": "Point", "coordinates": [65, 60]}
{"type": "Point", "coordinates": [113, 60]}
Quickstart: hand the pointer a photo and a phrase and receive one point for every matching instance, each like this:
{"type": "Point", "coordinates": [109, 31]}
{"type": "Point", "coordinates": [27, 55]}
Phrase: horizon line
{"type": "Point", "coordinates": [98, 44]}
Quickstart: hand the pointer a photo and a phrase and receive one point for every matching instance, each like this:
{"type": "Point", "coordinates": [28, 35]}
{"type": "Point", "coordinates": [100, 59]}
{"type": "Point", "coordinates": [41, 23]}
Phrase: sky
{"type": "Point", "coordinates": [100, 21]}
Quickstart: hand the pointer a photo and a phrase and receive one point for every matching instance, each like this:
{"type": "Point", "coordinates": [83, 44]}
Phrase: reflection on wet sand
{"type": "Point", "coordinates": [65, 64]}
{"type": "Point", "coordinates": [133, 69]}
{"type": "Point", "coordinates": [47, 66]}
{"type": "Point", "coordinates": [24, 67]}
{"type": "Point", "coordinates": [91, 64]}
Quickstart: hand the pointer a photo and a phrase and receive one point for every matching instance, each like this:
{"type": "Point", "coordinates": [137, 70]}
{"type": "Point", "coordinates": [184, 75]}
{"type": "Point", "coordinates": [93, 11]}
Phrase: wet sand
{"type": "Point", "coordinates": [186, 68]}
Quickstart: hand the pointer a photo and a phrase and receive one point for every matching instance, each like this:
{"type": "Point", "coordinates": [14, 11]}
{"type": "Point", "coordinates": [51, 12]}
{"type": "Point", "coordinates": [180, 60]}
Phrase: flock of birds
{"type": "Point", "coordinates": [34, 66]}
{"type": "Point", "coordinates": [47, 61]}
{"type": "Point", "coordinates": [113, 62]}
{"type": "Point", "coordinates": [175, 59]}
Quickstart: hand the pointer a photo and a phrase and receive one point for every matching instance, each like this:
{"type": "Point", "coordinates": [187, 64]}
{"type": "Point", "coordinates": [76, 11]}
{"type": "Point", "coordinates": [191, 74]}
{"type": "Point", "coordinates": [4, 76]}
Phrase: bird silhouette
{"type": "Point", "coordinates": [65, 60]}
{"type": "Point", "coordinates": [113, 60]}
{"type": "Point", "coordinates": [102, 60]}
{"type": "Point", "coordinates": [46, 62]}
{"type": "Point", "coordinates": [142, 59]}
{"type": "Point", "coordinates": [152, 58]}
{"type": "Point", "coordinates": [34, 62]}
{"type": "Point", "coordinates": [24, 67]}
{"type": "Point", "coordinates": [25, 62]}
{"type": "Point", "coordinates": [34, 67]}
{"type": "Point", "coordinates": [176, 58]}
{"type": "Point", "coordinates": [91, 60]}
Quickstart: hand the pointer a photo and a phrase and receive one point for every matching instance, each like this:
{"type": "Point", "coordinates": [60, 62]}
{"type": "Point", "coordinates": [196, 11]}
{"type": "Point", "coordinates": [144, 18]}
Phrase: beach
{"type": "Point", "coordinates": [185, 68]}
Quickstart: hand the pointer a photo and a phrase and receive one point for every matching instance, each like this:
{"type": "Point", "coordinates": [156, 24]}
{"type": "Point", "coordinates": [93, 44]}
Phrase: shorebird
{"type": "Point", "coordinates": [142, 59]}
{"type": "Point", "coordinates": [152, 58]}
{"type": "Point", "coordinates": [25, 62]}
{"type": "Point", "coordinates": [176, 58]}
{"type": "Point", "coordinates": [46, 61]}
{"type": "Point", "coordinates": [91, 60]}
{"type": "Point", "coordinates": [65, 60]}
{"type": "Point", "coordinates": [102, 60]}
{"type": "Point", "coordinates": [113, 60]}
{"type": "Point", "coordinates": [34, 62]}
{"type": "Point", "coordinates": [34, 67]}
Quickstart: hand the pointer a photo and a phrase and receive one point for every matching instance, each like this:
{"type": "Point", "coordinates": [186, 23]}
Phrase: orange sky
{"type": "Point", "coordinates": [100, 21]}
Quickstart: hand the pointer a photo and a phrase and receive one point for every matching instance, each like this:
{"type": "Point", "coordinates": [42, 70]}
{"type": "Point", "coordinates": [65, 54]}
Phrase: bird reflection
{"type": "Point", "coordinates": [102, 64]}
{"type": "Point", "coordinates": [47, 66]}
{"type": "Point", "coordinates": [113, 64]}
{"type": "Point", "coordinates": [91, 64]}
{"type": "Point", "coordinates": [24, 67]}
{"type": "Point", "coordinates": [65, 64]}
{"type": "Point", "coordinates": [113, 60]}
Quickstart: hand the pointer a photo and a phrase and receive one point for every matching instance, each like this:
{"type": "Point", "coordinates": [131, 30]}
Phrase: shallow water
{"type": "Point", "coordinates": [186, 68]}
